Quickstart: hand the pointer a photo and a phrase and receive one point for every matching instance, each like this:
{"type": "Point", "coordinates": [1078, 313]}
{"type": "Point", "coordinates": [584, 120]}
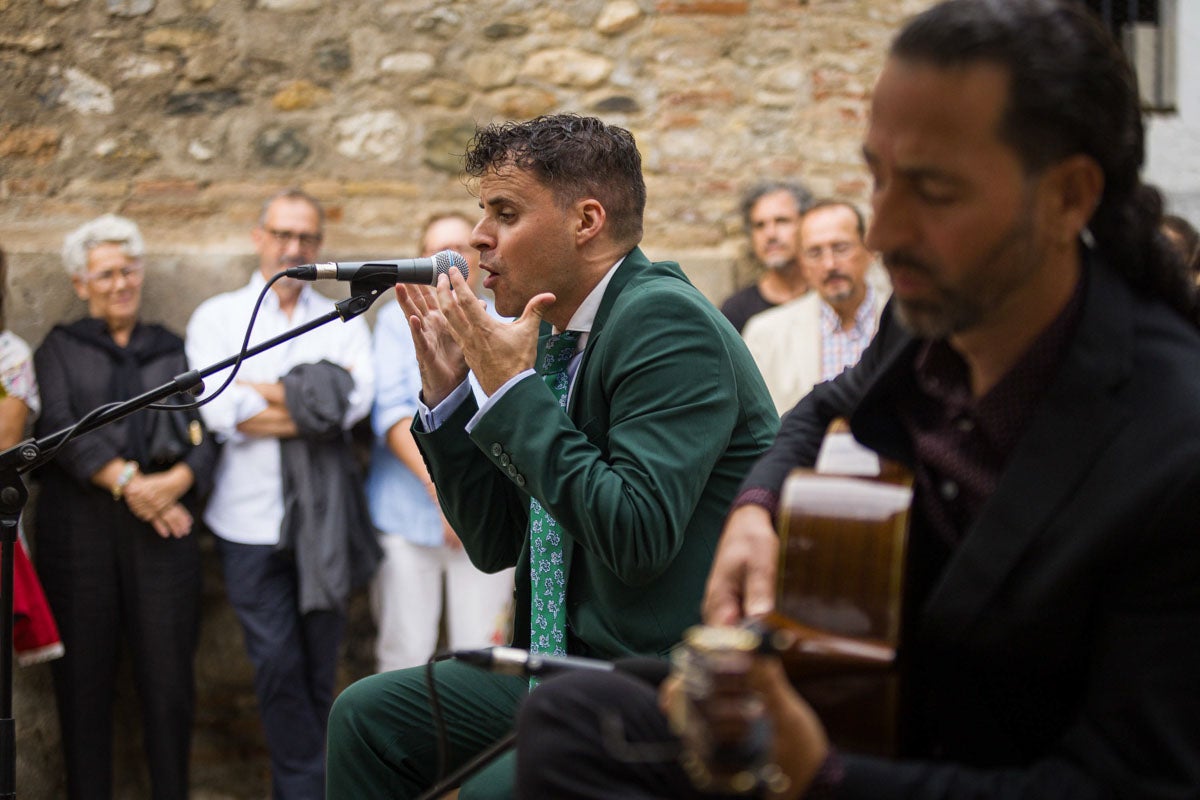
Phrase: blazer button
{"type": "Point", "coordinates": [497, 449]}
{"type": "Point", "coordinates": [519, 480]}
{"type": "Point", "coordinates": [512, 470]}
{"type": "Point", "coordinates": [505, 460]}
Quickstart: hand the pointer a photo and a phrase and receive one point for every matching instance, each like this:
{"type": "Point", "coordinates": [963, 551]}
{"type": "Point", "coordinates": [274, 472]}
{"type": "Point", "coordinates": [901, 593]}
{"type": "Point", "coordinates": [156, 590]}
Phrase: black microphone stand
{"type": "Point", "coordinates": [455, 779]}
{"type": "Point", "coordinates": [29, 454]}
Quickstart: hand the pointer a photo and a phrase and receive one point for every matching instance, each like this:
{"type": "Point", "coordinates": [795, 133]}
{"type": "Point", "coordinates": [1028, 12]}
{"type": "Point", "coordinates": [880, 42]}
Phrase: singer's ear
{"type": "Point", "coordinates": [589, 221]}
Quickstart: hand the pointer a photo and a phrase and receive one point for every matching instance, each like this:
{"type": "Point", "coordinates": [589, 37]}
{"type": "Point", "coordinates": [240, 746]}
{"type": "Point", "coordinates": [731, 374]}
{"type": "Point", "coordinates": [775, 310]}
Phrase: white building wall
{"type": "Point", "coordinates": [1173, 140]}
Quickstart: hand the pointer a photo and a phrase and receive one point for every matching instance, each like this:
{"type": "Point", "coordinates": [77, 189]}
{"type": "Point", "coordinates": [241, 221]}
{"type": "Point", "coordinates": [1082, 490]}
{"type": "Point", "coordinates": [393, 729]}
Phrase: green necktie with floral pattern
{"type": "Point", "coordinates": [547, 578]}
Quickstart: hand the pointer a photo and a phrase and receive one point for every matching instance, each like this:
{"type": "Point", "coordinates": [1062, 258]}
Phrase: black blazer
{"type": "Point", "coordinates": [1057, 653]}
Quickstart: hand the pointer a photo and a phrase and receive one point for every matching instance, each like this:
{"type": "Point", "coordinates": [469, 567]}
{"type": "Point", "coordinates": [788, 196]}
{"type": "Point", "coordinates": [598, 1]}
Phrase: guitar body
{"type": "Point", "coordinates": [843, 541]}
{"type": "Point", "coordinates": [843, 530]}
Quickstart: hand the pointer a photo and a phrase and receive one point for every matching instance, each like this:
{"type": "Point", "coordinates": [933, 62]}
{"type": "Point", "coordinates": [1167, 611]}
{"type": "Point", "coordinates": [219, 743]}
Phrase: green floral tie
{"type": "Point", "coordinates": [547, 578]}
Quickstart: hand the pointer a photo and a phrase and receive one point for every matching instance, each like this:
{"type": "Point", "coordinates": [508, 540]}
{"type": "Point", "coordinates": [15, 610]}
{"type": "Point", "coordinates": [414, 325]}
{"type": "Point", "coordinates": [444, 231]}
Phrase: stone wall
{"type": "Point", "coordinates": [185, 114]}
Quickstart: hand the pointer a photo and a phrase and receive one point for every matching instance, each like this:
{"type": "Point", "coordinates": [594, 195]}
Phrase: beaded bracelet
{"type": "Point", "coordinates": [127, 473]}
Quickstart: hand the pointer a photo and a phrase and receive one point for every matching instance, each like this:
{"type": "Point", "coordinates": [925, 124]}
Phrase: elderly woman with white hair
{"type": "Point", "coordinates": [115, 548]}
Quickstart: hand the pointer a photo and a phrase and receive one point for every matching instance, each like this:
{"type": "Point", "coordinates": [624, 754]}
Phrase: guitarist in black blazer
{"type": "Point", "coordinates": [1039, 369]}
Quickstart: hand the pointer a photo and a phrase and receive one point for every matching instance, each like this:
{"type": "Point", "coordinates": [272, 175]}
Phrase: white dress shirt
{"type": "Point", "coordinates": [246, 505]}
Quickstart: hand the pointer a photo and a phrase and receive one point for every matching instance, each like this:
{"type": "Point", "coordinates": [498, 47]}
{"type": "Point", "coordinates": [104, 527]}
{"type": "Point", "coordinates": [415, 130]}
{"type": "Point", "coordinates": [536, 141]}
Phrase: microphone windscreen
{"type": "Point", "coordinates": [446, 260]}
{"type": "Point", "coordinates": [651, 670]}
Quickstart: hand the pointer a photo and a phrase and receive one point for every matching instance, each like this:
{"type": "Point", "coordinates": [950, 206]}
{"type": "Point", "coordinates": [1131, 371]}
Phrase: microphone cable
{"type": "Point", "coordinates": [241, 356]}
{"type": "Point", "coordinates": [435, 712]}
{"type": "Point", "coordinates": [445, 783]}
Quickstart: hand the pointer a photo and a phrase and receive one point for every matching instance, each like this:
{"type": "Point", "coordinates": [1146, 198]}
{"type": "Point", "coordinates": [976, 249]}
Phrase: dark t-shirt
{"type": "Point", "coordinates": [743, 304]}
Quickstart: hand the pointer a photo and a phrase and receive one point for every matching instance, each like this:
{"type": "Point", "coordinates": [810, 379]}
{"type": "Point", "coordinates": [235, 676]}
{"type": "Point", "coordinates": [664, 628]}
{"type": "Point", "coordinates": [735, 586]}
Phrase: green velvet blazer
{"type": "Point", "coordinates": [667, 413]}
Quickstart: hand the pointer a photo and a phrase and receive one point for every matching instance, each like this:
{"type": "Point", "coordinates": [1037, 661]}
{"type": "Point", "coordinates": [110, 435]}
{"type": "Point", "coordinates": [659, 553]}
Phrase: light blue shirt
{"type": "Point", "coordinates": [400, 505]}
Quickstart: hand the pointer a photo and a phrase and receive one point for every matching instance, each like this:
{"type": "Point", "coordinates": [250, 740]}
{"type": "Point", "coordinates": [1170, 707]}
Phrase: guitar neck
{"type": "Point", "coordinates": [809, 653]}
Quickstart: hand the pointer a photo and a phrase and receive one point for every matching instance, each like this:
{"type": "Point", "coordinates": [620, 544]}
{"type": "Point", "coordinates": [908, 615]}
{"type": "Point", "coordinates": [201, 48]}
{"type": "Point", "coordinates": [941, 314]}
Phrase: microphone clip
{"type": "Point", "coordinates": [363, 292]}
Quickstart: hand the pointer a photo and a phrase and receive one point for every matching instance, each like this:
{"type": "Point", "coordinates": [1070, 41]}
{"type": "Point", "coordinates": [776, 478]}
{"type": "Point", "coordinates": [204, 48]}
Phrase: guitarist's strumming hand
{"type": "Point", "coordinates": [741, 583]}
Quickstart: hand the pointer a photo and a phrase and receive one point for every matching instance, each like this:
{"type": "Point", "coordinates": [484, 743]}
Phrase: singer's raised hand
{"type": "Point", "coordinates": [495, 350]}
{"type": "Point", "coordinates": [439, 356]}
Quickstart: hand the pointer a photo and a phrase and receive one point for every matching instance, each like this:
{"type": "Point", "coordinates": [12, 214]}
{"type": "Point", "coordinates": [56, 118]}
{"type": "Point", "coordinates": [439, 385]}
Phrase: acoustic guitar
{"type": "Point", "coordinates": [843, 529]}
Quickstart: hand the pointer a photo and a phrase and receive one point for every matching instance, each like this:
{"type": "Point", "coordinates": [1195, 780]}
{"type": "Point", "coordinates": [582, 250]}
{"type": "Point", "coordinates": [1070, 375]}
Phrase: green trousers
{"type": "Point", "coordinates": [382, 740]}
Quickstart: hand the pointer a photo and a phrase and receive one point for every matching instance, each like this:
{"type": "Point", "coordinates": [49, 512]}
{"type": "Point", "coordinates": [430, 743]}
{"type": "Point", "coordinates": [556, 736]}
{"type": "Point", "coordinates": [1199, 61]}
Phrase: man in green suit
{"type": "Point", "coordinates": [624, 482]}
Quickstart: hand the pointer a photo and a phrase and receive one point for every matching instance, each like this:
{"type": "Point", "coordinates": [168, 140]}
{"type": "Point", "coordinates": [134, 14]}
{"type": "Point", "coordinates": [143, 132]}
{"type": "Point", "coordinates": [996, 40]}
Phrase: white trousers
{"type": "Point", "coordinates": [406, 600]}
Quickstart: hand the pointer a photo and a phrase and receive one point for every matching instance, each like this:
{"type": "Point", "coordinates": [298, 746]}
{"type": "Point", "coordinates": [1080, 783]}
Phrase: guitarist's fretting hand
{"type": "Point", "coordinates": [742, 581]}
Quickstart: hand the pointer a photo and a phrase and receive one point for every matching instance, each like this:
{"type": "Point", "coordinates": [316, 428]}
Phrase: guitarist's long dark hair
{"type": "Point", "coordinates": [1071, 91]}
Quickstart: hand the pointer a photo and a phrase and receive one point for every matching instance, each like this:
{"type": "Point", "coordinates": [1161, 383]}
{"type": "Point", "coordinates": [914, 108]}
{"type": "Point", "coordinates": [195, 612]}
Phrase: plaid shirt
{"type": "Point", "coordinates": [842, 348]}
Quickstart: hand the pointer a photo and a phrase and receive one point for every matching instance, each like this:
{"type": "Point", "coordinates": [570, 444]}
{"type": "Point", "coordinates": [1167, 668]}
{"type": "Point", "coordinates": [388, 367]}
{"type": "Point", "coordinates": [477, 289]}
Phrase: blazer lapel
{"type": "Point", "coordinates": [1073, 423]}
{"type": "Point", "coordinates": [633, 263]}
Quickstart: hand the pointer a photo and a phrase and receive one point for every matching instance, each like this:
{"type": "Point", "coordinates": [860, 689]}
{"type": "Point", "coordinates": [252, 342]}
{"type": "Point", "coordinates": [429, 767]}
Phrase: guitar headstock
{"type": "Point", "coordinates": [720, 719]}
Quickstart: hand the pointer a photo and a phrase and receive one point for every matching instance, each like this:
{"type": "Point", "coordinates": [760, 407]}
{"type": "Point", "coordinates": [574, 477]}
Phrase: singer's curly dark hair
{"type": "Point", "coordinates": [574, 157]}
{"type": "Point", "coordinates": [1071, 90]}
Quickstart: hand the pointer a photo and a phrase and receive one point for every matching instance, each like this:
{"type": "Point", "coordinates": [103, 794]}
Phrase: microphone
{"type": "Point", "coordinates": [397, 270]}
{"type": "Point", "coordinates": [511, 661]}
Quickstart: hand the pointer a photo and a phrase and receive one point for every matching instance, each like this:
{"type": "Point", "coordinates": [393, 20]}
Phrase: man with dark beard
{"type": "Point", "coordinates": [1039, 370]}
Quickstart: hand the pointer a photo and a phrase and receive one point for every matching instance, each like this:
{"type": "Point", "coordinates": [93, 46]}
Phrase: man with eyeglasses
{"type": "Point", "coordinates": [284, 425]}
{"type": "Point", "coordinates": [819, 334]}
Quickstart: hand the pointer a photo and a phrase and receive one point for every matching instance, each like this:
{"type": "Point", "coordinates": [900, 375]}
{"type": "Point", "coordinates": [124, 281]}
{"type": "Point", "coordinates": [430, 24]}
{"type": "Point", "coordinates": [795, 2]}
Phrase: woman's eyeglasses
{"type": "Point", "coordinates": [132, 273]}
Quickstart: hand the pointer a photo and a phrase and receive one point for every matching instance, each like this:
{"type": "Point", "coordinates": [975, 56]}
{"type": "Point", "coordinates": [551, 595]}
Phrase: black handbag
{"type": "Point", "coordinates": [171, 436]}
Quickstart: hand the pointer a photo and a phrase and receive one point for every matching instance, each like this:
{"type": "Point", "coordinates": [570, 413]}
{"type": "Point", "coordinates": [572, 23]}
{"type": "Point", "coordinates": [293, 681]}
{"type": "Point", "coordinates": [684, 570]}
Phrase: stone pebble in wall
{"type": "Point", "coordinates": [281, 146]}
{"type": "Point", "coordinates": [83, 94]}
{"type": "Point", "coordinates": [207, 102]}
{"type": "Point", "coordinates": [129, 8]}
{"type": "Point", "coordinates": [378, 136]}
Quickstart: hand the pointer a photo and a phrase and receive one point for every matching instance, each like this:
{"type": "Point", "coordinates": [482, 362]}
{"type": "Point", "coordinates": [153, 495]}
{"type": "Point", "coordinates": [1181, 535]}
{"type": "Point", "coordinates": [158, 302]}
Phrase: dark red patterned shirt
{"type": "Point", "coordinates": [962, 443]}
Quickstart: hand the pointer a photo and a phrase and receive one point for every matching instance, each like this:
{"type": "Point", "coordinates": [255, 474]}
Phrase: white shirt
{"type": "Point", "coordinates": [246, 505]}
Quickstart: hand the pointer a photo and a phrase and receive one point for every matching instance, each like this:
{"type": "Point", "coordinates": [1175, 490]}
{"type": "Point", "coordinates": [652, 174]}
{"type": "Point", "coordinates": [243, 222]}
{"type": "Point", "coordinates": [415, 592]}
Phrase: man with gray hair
{"type": "Point", "coordinates": [287, 488]}
{"type": "Point", "coordinates": [771, 212]}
